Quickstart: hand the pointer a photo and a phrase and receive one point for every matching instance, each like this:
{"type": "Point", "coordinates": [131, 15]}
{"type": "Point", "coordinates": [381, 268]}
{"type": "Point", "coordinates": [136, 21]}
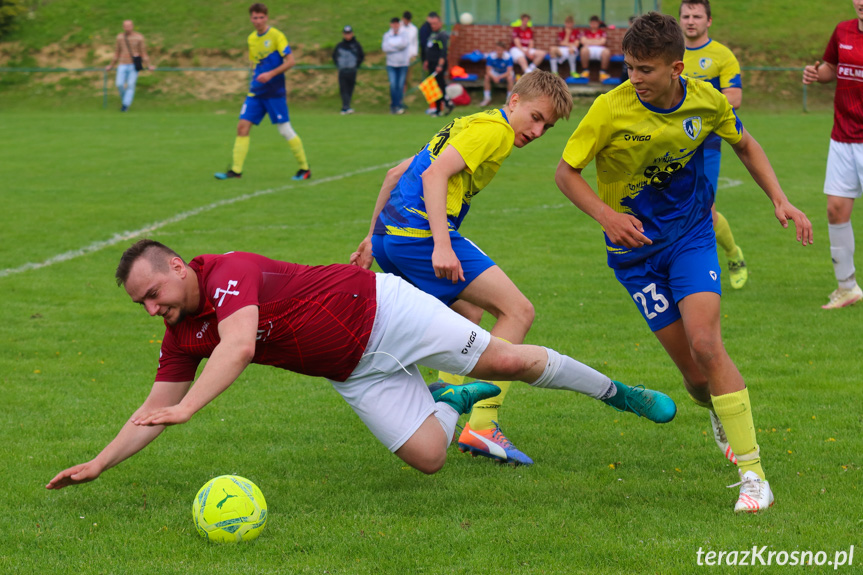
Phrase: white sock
{"type": "Point", "coordinates": [486, 94]}
{"type": "Point", "coordinates": [553, 63]}
{"type": "Point", "coordinates": [447, 417]}
{"type": "Point", "coordinates": [842, 252]}
{"type": "Point", "coordinates": [571, 62]}
{"type": "Point", "coordinates": [563, 372]}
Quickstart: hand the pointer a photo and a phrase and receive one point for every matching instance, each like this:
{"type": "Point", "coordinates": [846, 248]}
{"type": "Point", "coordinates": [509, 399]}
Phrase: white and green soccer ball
{"type": "Point", "coordinates": [229, 509]}
{"type": "Point", "coordinates": [466, 18]}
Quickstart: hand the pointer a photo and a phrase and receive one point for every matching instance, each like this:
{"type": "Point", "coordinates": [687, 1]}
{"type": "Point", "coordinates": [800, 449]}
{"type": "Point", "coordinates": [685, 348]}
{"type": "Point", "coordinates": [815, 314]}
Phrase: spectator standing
{"type": "Point", "coordinates": [424, 33]}
{"type": "Point", "coordinates": [130, 57]}
{"type": "Point", "coordinates": [348, 56]}
{"type": "Point", "coordinates": [437, 48]}
{"type": "Point", "coordinates": [395, 45]}
{"type": "Point", "coordinates": [593, 47]}
{"type": "Point", "coordinates": [842, 62]}
{"type": "Point", "coordinates": [413, 44]}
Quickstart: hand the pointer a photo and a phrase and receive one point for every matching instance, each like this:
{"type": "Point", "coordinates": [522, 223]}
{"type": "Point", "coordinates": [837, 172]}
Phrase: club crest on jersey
{"type": "Point", "coordinates": [221, 293]}
{"type": "Point", "coordinates": [267, 43]}
{"type": "Point", "coordinates": [705, 63]}
{"type": "Point", "coordinates": [692, 127]}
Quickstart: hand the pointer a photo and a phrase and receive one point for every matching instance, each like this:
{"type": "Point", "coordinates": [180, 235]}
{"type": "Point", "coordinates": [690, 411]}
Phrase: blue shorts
{"type": "Point", "coordinates": [254, 110]}
{"type": "Point", "coordinates": [658, 283]}
{"type": "Point", "coordinates": [411, 258]}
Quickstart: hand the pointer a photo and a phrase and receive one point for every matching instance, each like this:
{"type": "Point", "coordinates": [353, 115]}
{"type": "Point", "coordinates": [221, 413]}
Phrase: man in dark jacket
{"type": "Point", "coordinates": [436, 61]}
{"type": "Point", "coordinates": [348, 56]}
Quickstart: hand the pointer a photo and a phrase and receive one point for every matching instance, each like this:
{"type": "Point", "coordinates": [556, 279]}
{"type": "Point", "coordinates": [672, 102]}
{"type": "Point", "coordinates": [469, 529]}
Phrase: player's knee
{"type": "Point", "coordinates": [430, 462]}
{"type": "Point", "coordinates": [287, 131]}
{"type": "Point", "coordinates": [523, 312]}
{"type": "Point", "coordinates": [706, 348]}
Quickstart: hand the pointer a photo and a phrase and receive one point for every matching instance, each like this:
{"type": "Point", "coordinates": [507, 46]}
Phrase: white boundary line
{"type": "Point", "coordinates": [127, 235]}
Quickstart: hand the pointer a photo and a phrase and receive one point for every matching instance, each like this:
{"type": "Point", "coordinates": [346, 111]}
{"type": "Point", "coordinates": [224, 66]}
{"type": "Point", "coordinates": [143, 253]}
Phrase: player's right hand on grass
{"type": "Point", "coordinates": [81, 473]}
{"type": "Point", "coordinates": [624, 229]}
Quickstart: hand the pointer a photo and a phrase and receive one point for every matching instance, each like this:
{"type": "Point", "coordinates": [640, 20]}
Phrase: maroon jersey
{"type": "Point", "coordinates": [314, 320]}
{"type": "Point", "coordinates": [592, 34]}
{"type": "Point", "coordinates": [523, 34]}
{"type": "Point", "coordinates": [565, 39]}
{"type": "Point", "coordinates": [845, 51]}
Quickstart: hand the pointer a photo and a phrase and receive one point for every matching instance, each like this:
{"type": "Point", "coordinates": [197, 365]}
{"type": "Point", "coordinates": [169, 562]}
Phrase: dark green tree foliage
{"type": "Point", "coordinates": [9, 10]}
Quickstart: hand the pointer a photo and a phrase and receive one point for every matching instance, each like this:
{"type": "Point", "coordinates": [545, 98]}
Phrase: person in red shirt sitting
{"type": "Point", "coordinates": [523, 48]}
{"type": "Point", "coordinates": [593, 47]}
{"type": "Point", "coordinates": [566, 47]}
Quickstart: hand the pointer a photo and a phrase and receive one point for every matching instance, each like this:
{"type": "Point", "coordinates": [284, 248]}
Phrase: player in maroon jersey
{"type": "Point", "coordinates": [843, 62]}
{"type": "Point", "coordinates": [365, 332]}
{"type": "Point", "coordinates": [523, 50]}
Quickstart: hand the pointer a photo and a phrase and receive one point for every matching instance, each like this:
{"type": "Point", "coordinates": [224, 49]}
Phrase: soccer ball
{"type": "Point", "coordinates": [466, 18]}
{"type": "Point", "coordinates": [229, 509]}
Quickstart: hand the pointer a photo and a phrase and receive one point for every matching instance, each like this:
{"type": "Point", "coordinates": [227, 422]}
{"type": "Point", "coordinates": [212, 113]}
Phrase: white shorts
{"type": "Point", "coordinates": [411, 327]}
{"type": "Point", "coordinates": [844, 170]}
{"type": "Point", "coordinates": [517, 53]}
{"type": "Point", "coordinates": [564, 52]}
{"type": "Point", "coordinates": [596, 52]}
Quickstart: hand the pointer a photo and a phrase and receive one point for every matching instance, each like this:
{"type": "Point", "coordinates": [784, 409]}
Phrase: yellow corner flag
{"type": "Point", "coordinates": [430, 89]}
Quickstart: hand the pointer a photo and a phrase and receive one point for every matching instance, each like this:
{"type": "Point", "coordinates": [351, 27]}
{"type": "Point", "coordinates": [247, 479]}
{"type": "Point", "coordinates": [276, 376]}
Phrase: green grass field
{"type": "Point", "coordinates": [609, 493]}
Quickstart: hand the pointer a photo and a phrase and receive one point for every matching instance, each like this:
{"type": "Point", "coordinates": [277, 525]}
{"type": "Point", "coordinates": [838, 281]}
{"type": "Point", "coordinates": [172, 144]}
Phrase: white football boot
{"type": "Point", "coordinates": [755, 493]}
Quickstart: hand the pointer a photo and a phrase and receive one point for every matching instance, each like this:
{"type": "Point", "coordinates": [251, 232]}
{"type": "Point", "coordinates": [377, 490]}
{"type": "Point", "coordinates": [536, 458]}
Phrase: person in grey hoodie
{"type": "Point", "coordinates": [347, 57]}
{"type": "Point", "coordinates": [395, 45]}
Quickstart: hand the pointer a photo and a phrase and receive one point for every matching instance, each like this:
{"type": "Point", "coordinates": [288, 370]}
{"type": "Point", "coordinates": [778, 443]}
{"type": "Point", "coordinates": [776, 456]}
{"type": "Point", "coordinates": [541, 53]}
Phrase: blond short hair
{"type": "Point", "coordinates": [541, 83]}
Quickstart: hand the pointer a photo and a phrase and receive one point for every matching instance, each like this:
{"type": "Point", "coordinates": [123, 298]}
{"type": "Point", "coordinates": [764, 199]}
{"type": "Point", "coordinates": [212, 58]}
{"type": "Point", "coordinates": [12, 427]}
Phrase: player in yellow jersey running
{"type": "Point", "coordinates": [271, 57]}
{"type": "Point", "coordinates": [708, 60]}
{"type": "Point", "coordinates": [647, 136]}
{"type": "Point", "coordinates": [414, 234]}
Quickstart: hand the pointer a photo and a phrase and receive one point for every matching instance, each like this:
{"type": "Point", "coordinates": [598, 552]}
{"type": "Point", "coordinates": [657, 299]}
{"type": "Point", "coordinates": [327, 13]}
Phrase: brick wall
{"type": "Point", "coordinates": [482, 37]}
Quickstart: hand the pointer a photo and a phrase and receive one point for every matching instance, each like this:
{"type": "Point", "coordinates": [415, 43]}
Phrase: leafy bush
{"type": "Point", "coordinates": [9, 9]}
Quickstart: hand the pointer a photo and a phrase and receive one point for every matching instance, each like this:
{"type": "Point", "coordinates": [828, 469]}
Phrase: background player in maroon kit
{"type": "Point", "coordinates": [593, 47]}
{"type": "Point", "coordinates": [365, 332]}
{"type": "Point", "coordinates": [566, 47]}
{"type": "Point", "coordinates": [523, 48]}
{"type": "Point", "coordinates": [843, 62]}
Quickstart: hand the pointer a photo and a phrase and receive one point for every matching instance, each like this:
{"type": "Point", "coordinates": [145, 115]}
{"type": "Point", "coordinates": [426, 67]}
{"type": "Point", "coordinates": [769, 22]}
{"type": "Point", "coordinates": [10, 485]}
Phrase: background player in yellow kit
{"type": "Point", "coordinates": [647, 137]}
{"type": "Point", "coordinates": [708, 60]}
{"type": "Point", "coordinates": [271, 56]}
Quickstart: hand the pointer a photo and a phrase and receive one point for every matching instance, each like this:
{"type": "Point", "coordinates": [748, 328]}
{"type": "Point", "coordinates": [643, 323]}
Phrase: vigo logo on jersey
{"type": "Point", "coordinates": [661, 177]}
{"type": "Point", "coordinates": [221, 293]}
{"type": "Point", "coordinates": [692, 127]}
{"type": "Point", "coordinates": [203, 330]}
{"type": "Point", "coordinates": [705, 63]}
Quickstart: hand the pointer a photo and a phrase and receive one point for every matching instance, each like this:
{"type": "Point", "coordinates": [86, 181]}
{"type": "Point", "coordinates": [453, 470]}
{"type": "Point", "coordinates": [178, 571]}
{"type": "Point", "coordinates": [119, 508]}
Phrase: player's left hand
{"type": "Point", "coordinates": [172, 415]}
{"type": "Point", "coordinates": [785, 211]}
{"type": "Point", "coordinates": [264, 77]}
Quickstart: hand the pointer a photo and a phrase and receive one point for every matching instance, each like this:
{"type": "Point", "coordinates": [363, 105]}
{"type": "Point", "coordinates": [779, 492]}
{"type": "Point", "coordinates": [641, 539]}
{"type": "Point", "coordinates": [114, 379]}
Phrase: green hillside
{"type": "Point", "coordinates": [196, 33]}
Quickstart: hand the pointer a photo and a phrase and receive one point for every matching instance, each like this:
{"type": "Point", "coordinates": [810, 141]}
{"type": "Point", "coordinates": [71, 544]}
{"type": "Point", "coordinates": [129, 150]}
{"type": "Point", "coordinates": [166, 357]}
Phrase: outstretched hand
{"type": "Point", "coordinates": [81, 473]}
{"type": "Point", "coordinates": [785, 211]}
{"type": "Point", "coordinates": [172, 415]}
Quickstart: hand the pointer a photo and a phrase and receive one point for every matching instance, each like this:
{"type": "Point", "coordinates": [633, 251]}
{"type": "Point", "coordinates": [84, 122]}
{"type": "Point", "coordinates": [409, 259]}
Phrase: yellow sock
{"type": "Point", "coordinates": [450, 378]}
{"type": "Point", "coordinates": [241, 150]}
{"type": "Point", "coordinates": [724, 237]}
{"type": "Point", "coordinates": [296, 145]}
{"type": "Point", "coordinates": [485, 411]}
{"type": "Point", "coordinates": [735, 413]}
